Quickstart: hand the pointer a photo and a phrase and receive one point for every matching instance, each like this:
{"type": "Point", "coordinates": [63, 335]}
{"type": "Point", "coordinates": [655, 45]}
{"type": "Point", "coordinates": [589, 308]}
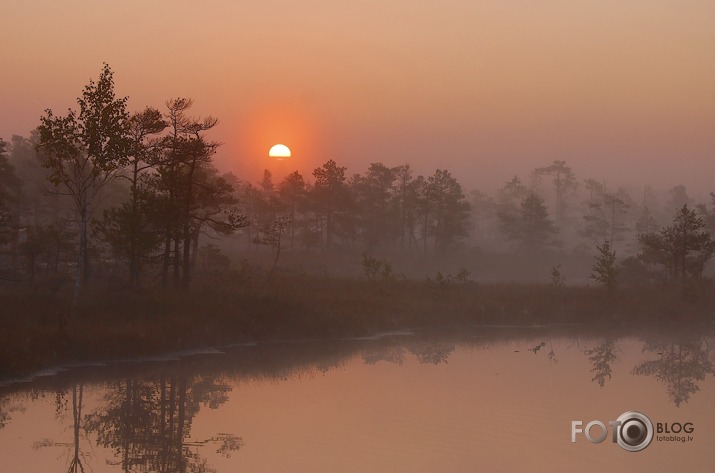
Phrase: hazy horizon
{"type": "Point", "coordinates": [622, 92]}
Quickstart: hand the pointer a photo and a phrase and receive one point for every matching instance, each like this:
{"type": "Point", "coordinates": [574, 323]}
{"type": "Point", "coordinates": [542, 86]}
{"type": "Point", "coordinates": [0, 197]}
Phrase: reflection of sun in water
{"type": "Point", "coordinates": [279, 151]}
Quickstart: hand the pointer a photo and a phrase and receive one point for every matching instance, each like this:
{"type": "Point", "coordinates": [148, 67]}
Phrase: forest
{"type": "Point", "coordinates": [101, 193]}
{"type": "Point", "coordinates": [112, 215]}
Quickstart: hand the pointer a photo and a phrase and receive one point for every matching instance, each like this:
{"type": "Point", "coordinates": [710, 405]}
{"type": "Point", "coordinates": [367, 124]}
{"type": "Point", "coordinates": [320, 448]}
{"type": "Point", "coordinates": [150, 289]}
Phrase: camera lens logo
{"type": "Point", "coordinates": [634, 431]}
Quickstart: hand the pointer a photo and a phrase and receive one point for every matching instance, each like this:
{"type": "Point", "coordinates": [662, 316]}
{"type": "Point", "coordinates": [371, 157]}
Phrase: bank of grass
{"type": "Point", "coordinates": [40, 328]}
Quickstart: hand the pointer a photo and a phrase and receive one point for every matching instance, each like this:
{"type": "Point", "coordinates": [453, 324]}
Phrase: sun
{"type": "Point", "coordinates": [279, 151]}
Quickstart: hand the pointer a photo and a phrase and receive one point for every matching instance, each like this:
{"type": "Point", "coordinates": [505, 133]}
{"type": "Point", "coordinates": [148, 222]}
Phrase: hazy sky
{"type": "Point", "coordinates": [622, 90]}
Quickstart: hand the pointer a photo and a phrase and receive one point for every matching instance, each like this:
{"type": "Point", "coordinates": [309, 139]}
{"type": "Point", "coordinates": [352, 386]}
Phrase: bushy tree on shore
{"type": "Point", "coordinates": [128, 228]}
{"type": "Point", "coordinates": [9, 193]}
{"type": "Point", "coordinates": [84, 151]}
{"type": "Point", "coordinates": [604, 271]}
{"type": "Point", "coordinates": [530, 228]}
{"type": "Point", "coordinates": [682, 249]}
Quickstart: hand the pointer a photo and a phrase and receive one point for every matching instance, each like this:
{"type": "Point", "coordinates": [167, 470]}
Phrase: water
{"type": "Point", "coordinates": [488, 399]}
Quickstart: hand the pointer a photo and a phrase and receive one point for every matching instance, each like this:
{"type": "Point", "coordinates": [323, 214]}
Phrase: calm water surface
{"type": "Point", "coordinates": [489, 399]}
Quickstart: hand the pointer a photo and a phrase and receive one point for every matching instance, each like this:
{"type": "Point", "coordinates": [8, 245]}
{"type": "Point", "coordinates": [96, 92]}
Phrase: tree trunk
{"type": "Point", "coordinates": [186, 265]}
{"type": "Point", "coordinates": [177, 262]}
{"type": "Point", "coordinates": [134, 236]}
{"type": "Point", "coordinates": [166, 259]}
{"type": "Point", "coordinates": [81, 254]}
{"type": "Point", "coordinates": [195, 249]}
{"type": "Point", "coordinates": [329, 227]}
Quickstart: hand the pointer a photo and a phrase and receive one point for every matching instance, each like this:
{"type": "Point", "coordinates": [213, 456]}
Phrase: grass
{"type": "Point", "coordinates": [40, 328]}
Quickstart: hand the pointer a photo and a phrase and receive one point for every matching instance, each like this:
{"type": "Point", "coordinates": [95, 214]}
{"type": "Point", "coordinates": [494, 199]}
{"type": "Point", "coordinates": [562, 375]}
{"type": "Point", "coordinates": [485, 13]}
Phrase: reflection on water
{"type": "Point", "coordinates": [147, 422]}
{"type": "Point", "coordinates": [76, 456]}
{"type": "Point", "coordinates": [140, 417]}
{"type": "Point", "coordinates": [680, 365]}
{"type": "Point", "coordinates": [601, 357]}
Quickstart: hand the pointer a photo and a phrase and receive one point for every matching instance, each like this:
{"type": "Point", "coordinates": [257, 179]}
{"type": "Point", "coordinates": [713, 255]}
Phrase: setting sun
{"type": "Point", "coordinates": [279, 151]}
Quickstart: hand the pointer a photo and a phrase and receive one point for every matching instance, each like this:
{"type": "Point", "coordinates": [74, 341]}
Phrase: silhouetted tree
{"type": "Point", "coordinates": [679, 197]}
{"type": "Point", "coordinates": [374, 196]}
{"type": "Point", "coordinates": [45, 246]}
{"type": "Point", "coordinates": [330, 196]}
{"type": "Point", "coordinates": [10, 187]}
{"type": "Point", "coordinates": [510, 197]}
{"type": "Point", "coordinates": [189, 193]}
{"type": "Point", "coordinates": [605, 271]}
{"type": "Point", "coordinates": [531, 229]}
{"type": "Point", "coordinates": [708, 214]}
{"type": "Point", "coordinates": [167, 185]}
{"type": "Point", "coordinates": [646, 223]}
{"type": "Point", "coordinates": [40, 203]}
{"type": "Point", "coordinates": [406, 195]}
{"type": "Point", "coordinates": [450, 210]}
{"type": "Point", "coordinates": [272, 235]}
{"type": "Point", "coordinates": [129, 228]}
{"type": "Point", "coordinates": [595, 189]}
{"type": "Point", "coordinates": [198, 155]}
{"type": "Point", "coordinates": [214, 210]}
{"type": "Point", "coordinates": [213, 260]}
{"type": "Point", "coordinates": [606, 218]}
{"type": "Point", "coordinates": [564, 183]}
{"type": "Point", "coordinates": [266, 204]}
{"type": "Point", "coordinates": [558, 280]}
{"type": "Point", "coordinates": [508, 202]}
{"type": "Point", "coordinates": [484, 215]}
{"type": "Point", "coordinates": [293, 193]}
{"type": "Point", "coordinates": [84, 151]}
{"type": "Point", "coordinates": [595, 220]}
{"type": "Point", "coordinates": [682, 248]}
{"type": "Point", "coordinates": [424, 207]}
{"type": "Point", "coordinates": [251, 205]}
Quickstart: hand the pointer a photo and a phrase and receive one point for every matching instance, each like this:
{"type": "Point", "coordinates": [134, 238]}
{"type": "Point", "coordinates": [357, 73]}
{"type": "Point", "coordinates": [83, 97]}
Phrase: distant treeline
{"type": "Point", "coordinates": [137, 197]}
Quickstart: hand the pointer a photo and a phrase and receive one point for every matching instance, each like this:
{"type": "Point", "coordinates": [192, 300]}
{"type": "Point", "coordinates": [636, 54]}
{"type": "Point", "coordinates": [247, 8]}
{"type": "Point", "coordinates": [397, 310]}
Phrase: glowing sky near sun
{"type": "Point", "coordinates": [621, 90]}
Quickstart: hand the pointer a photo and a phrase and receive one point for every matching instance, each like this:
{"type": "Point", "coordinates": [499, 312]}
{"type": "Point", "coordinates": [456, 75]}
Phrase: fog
{"type": "Point", "coordinates": [329, 220]}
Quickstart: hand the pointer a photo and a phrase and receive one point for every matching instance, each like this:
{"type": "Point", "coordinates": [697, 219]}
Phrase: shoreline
{"type": "Point", "coordinates": [41, 329]}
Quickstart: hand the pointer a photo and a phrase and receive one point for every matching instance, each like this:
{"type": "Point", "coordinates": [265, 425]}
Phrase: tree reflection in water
{"type": "Point", "coordinates": [148, 423]}
{"type": "Point", "coordinates": [601, 357]}
{"type": "Point", "coordinates": [426, 351]}
{"type": "Point", "coordinates": [76, 456]}
{"type": "Point", "coordinates": [432, 352]}
{"type": "Point", "coordinates": [7, 407]}
{"type": "Point", "coordinates": [680, 365]}
{"type": "Point", "coordinates": [146, 413]}
{"type": "Point", "coordinates": [390, 354]}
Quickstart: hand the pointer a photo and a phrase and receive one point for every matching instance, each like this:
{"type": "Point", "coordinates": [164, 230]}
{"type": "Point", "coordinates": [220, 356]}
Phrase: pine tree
{"type": "Point", "coordinates": [530, 228]}
{"type": "Point", "coordinates": [682, 249]}
{"type": "Point", "coordinates": [604, 271]}
{"type": "Point", "coordinates": [331, 197]}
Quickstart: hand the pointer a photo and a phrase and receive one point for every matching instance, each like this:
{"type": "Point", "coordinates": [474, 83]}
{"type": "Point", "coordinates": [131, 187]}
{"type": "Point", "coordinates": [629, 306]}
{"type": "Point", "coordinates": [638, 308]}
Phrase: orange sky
{"type": "Point", "coordinates": [485, 89]}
